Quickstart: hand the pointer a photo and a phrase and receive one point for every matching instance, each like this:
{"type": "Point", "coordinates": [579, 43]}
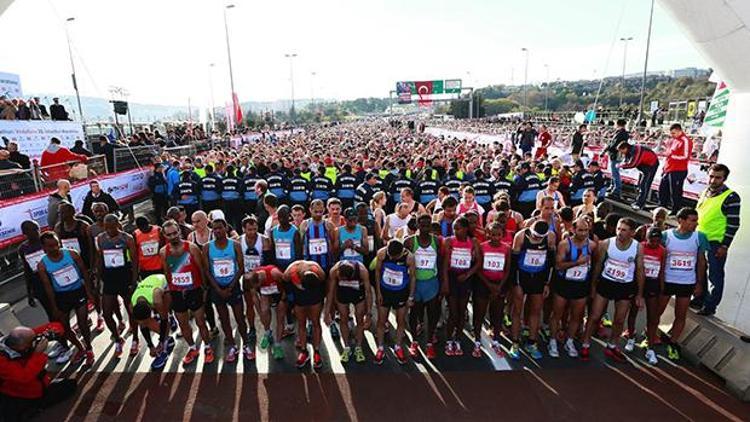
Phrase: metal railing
{"type": "Point", "coordinates": [47, 176]}
{"type": "Point", "coordinates": [16, 182]}
{"type": "Point", "coordinates": [127, 158]}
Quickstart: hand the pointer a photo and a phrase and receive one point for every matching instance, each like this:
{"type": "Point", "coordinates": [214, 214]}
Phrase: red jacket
{"type": "Point", "coordinates": [678, 154]}
{"type": "Point", "coordinates": [23, 377]}
{"type": "Point", "coordinates": [640, 156]}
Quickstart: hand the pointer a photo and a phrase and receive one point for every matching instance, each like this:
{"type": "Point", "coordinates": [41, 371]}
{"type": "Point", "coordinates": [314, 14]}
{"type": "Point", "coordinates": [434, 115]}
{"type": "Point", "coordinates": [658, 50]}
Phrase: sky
{"type": "Point", "coordinates": [160, 51]}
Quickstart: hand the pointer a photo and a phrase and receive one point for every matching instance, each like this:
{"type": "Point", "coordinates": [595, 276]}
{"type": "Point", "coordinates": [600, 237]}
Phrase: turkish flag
{"type": "Point", "coordinates": [424, 91]}
{"type": "Point", "coordinates": [237, 109]}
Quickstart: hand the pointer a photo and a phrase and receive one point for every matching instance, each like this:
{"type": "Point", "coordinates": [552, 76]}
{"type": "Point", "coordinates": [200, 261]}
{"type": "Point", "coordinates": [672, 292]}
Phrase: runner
{"type": "Point", "coordinates": [67, 286]}
{"type": "Point", "coordinates": [119, 274]}
{"type": "Point", "coordinates": [224, 260]}
{"type": "Point", "coordinates": [183, 266]}
{"type": "Point", "coordinates": [654, 254]}
{"type": "Point", "coordinates": [618, 275]}
{"type": "Point", "coordinates": [572, 287]}
{"type": "Point", "coordinates": [446, 216]}
{"type": "Point", "coordinates": [267, 281]}
{"type": "Point", "coordinates": [307, 281]}
{"type": "Point", "coordinates": [148, 241]}
{"type": "Point", "coordinates": [394, 286]}
{"type": "Point", "coordinates": [349, 284]}
{"type": "Point", "coordinates": [489, 289]}
{"type": "Point", "coordinates": [151, 297]}
{"type": "Point", "coordinates": [395, 221]}
{"type": "Point", "coordinates": [257, 251]}
{"type": "Point", "coordinates": [353, 238]}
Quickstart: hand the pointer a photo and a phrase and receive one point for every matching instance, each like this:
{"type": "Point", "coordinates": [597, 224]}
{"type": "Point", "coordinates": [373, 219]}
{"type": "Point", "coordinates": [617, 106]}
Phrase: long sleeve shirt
{"type": "Point", "coordinates": [678, 154]}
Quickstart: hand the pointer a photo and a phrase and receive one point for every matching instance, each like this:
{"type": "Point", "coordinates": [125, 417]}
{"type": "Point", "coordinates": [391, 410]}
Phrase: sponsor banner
{"type": "Point", "coordinates": [33, 135]}
{"type": "Point", "coordinates": [125, 187]}
{"type": "Point", "coordinates": [10, 85]}
{"type": "Point", "coordinates": [696, 182]}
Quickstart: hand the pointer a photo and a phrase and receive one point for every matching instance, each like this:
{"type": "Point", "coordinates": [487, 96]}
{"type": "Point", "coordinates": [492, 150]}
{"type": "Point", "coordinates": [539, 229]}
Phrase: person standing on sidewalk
{"type": "Point", "coordinates": [678, 154]}
{"type": "Point", "coordinates": [719, 219]}
{"type": "Point", "coordinates": [621, 135]}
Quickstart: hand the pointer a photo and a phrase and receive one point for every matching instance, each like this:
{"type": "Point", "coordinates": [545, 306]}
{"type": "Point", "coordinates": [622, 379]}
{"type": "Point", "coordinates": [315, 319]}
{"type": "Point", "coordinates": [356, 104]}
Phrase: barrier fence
{"type": "Point", "coordinates": [127, 158]}
{"type": "Point", "coordinates": [17, 183]}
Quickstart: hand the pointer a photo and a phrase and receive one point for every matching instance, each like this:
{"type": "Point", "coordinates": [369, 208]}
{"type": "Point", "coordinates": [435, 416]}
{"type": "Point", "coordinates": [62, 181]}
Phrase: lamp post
{"type": "Point", "coordinates": [211, 93]}
{"type": "Point", "coordinates": [546, 89]}
{"type": "Point", "coordinates": [624, 60]}
{"type": "Point", "coordinates": [291, 57]}
{"type": "Point", "coordinates": [525, 77]}
{"type": "Point", "coordinates": [312, 88]}
{"type": "Point", "coordinates": [229, 57]}
{"type": "Point", "coordinates": [73, 73]}
{"type": "Point", "coordinates": [645, 62]}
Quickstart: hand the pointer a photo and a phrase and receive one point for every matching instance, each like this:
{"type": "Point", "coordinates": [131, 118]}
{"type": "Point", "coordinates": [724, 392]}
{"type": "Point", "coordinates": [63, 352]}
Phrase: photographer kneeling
{"type": "Point", "coordinates": [25, 386]}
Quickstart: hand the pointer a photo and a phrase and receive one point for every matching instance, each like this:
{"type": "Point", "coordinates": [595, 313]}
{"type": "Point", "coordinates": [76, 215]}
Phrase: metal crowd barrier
{"type": "Point", "coordinates": [182, 151]}
{"type": "Point", "coordinates": [47, 176]}
{"type": "Point", "coordinates": [15, 183]}
{"type": "Point", "coordinates": [126, 158]}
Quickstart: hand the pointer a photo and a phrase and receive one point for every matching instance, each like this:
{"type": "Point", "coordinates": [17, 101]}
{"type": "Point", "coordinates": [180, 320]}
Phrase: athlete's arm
{"type": "Point", "coordinates": [198, 259]}
{"type": "Point", "coordinates": [332, 236]}
{"type": "Point", "coordinates": [601, 253]}
{"type": "Point", "coordinates": [42, 270]}
{"type": "Point", "coordinates": [384, 232]}
{"type": "Point", "coordinates": [560, 263]}
{"type": "Point", "coordinates": [378, 268]}
{"type": "Point", "coordinates": [363, 246]}
{"type": "Point", "coordinates": [298, 251]}
{"type": "Point", "coordinates": [84, 273]}
{"type": "Point", "coordinates": [130, 242]}
{"type": "Point", "coordinates": [445, 264]}
{"type": "Point", "coordinates": [476, 256]}
{"type": "Point", "coordinates": [333, 280]}
{"type": "Point", "coordinates": [364, 275]}
{"type": "Point", "coordinates": [640, 275]}
{"type": "Point", "coordinates": [239, 261]}
{"type": "Point", "coordinates": [164, 266]}
{"type": "Point", "coordinates": [86, 229]}
{"type": "Point", "coordinates": [412, 276]}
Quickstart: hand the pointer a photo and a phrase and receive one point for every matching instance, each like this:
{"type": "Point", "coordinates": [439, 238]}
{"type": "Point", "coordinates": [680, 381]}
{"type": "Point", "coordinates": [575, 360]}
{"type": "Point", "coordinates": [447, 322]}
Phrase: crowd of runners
{"type": "Point", "coordinates": [336, 228]}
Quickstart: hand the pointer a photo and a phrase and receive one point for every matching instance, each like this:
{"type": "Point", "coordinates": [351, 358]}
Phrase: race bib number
{"type": "Point", "coordinates": [350, 252]}
{"type": "Point", "coordinates": [251, 262]}
{"type": "Point", "coordinates": [370, 243]}
{"type": "Point", "coordinates": [392, 278]}
{"type": "Point", "coordinates": [283, 250]}
{"type": "Point", "coordinates": [461, 258]}
{"type": "Point", "coordinates": [150, 248]}
{"type": "Point", "coordinates": [617, 270]}
{"type": "Point", "coordinates": [71, 244]}
{"type": "Point", "coordinates": [182, 279]}
{"type": "Point", "coordinates": [318, 247]}
{"type": "Point", "coordinates": [494, 261]}
{"type": "Point", "coordinates": [682, 261]}
{"type": "Point", "coordinates": [223, 268]}
{"type": "Point", "coordinates": [352, 284]}
{"type": "Point", "coordinates": [34, 258]}
{"type": "Point", "coordinates": [652, 267]}
{"type": "Point", "coordinates": [578, 273]}
{"type": "Point", "coordinates": [113, 258]}
{"type": "Point", "coordinates": [534, 258]}
{"type": "Point", "coordinates": [269, 290]}
{"type": "Point", "coordinates": [66, 276]}
{"type": "Point", "coordinates": [425, 259]}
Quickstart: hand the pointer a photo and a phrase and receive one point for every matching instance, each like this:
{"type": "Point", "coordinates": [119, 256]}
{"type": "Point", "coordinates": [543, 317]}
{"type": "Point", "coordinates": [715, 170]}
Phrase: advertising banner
{"type": "Point", "coordinates": [33, 135]}
{"type": "Point", "coordinates": [10, 85]}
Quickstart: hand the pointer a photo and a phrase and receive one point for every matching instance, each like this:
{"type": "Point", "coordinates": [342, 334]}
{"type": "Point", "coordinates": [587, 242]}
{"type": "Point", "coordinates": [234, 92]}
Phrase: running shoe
{"type": "Point", "coordinates": [57, 349]}
{"type": "Point", "coordinates": [334, 331]}
{"type": "Point", "coordinates": [477, 352]}
{"type": "Point", "coordinates": [190, 356]}
{"type": "Point", "coordinates": [302, 359]}
{"type": "Point", "coordinates": [398, 351]}
{"type": "Point", "coordinates": [119, 344]}
{"type": "Point", "coordinates": [170, 344]}
{"type": "Point", "coordinates": [160, 361]}
{"type": "Point", "coordinates": [552, 349]}
{"type": "Point", "coordinates": [208, 352]}
{"type": "Point", "coordinates": [651, 357]}
{"type": "Point", "coordinates": [64, 356]}
{"type": "Point", "coordinates": [379, 356]}
{"type": "Point", "coordinates": [317, 360]}
{"type": "Point", "coordinates": [606, 321]}
{"type": "Point", "coordinates": [232, 353]}
{"type": "Point", "coordinates": [507, 321]}
{"type": "Point", "coordinates": [515, 352]}
{"type": "Point", "coordinates": [457, 349]}
{"type": "Point", "coordinates": [570, 348]}
{"type": "Point", "coordinates": [249, 352]}
{"type": "Point", "coordinates": [630, 344]}
{"type": "Point", "coordinates": [545, 332]}
{"type": "Point", "coordinates": [134, 348]}
{"type": "Point", "coordinates": [277, 352]}
{"type": "Point", "coordinates": [615, 354]}
{"type": "Point", "coordinates": [644, 344]}
{"type": "Point", "coordinates": [673, 351]}
{"type": "Point", "coordinates": [430, 351]}
{"type": "Point", "coordinates": [497, 349]}
{"type": "Point", "coordinates": [449, 349]}
{"type": "Point", "coordinates": [100, 324]}
{"type": "Point", "coordinates": [172, 323]}
{"type": "Point", "coordinates": [413, 349]}
{"type": "Point", "coordinates": [89, 358]}
{"type": "Point", "coordinates": [359, 354]}
{"type": "Point", "coordinates": [533, 350]}
{"type": "Point", "coordinates": [585, 353]}
{"type": "Point", "coordinates": [345, 355]}
{"type": "Point", "coordinates": [265, 341]}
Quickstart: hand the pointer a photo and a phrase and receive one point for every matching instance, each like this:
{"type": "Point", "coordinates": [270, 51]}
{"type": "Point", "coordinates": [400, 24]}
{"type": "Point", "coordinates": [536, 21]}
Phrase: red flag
{"type": "Point", "coordinates": [424, 91]}
{"type": "Point", "coordinates": [237, 109]}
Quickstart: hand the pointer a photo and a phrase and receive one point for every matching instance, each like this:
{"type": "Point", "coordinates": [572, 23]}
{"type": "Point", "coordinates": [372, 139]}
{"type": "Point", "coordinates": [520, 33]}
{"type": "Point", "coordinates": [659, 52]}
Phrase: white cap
{"type": "Point", "coordinates": [216, 215]}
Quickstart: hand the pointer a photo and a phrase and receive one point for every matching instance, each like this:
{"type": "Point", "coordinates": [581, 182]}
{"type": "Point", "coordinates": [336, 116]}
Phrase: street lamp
{"type": "Point", "coordinates": [229, 56]}
{"type": "Point", "coordinates": [211, 93]}
{"type": "Point", "coordinates": [291, 57]}
{"type": "Point", "coordinates": [73, 74]}
{"type": "Point", "coordinates": [525, 77]}
{"type": "Point", "coordinates": [624, 60]}
{"type": "Point", "coordinates": [312, 88]}
{"type": "Point", "coordinates": [546, 89]}
{"type": "Point", "coordinates": [645, 63]}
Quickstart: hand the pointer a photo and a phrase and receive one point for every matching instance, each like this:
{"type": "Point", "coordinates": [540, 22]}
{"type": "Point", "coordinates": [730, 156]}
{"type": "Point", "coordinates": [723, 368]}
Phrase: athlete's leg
{"type": "Point", "coordinates": [577, 308]}
{"type": "Point", "coordinates": [108, 305]}
{"type": "Point", "coordinates": [344, 326]}
{"type": "Point", "coordinates": [82, 319]}
{"type": "Point", "coordinates": [400, 324]}
{"type": "Point", "coordinates": [480, 310]}
{"type": "Point", "coordinates": [183, 320]}
{"type": "Point", "coordinates": [496, 315]}
{"type": "Point", "coordinates": [535, 314]}
{"type": "Point", "coordinates": [598, 305]}
{"type": "Point", "coordinates": [359, 315]}
{"type": "Point", "coordinates": [313, 313]}
{"type": "Point", "coordinates": [200, 321]}
{"type": "Point", "coordinates": [518, 299]}
{"type": "Point", "coordinates": [653, 315]}
{"type": "Point", "coordinates": [559, 304]}
{"type": "Point", "coordinates": [632, 316]}
{"type": "Point", "coordinates": [382, 316]}
{"type": "Point", "coordinates": [300, 315]}
{"type": "Point", "coordinates": [280, 320]}
{"type": "Point", "coordinates": [680, 314]}
{"type": "Point", "coordinates": [265, 312]}
{"type": "Point", "coordinates": [621, 313]}
{"type": "Point", "coordinates": [239, 316]}
{"type": "Point", "coordinates": [433, 316]}
{"type": "Point", "coordinates": [415, 317]}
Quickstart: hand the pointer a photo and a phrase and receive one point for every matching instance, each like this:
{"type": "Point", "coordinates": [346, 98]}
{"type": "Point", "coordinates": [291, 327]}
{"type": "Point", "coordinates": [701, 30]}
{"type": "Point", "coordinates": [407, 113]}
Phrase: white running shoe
{"type": "Point", "coordinates": [630, 345]}
{"type": "Point", "coordinates": [651, 357]}
{"type": "Point", "coordinates": [65, 356]}
{"type": "Point", "coordinates": [570, 347]}
{"type": "Point", "coordinates": [56, 350]}
{"type": "Point", "coordinates": [552, 349]}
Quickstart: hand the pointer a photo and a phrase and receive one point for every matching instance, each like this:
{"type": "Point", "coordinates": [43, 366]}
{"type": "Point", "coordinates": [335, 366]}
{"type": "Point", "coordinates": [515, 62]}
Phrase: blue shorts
{"type": "Point", "coordinates": [426, 290]}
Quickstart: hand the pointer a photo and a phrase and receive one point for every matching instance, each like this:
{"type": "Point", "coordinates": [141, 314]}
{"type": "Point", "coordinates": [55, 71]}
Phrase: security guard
{"type": "Point", "coordinates": [211, 190]}
{"type": "Point", "coordinates": [345, 187]}
{"type": "Point", "coordinates": [277, 183]}
{"type": "Point", "coordinates": [186, 193]}
{"type": "Point", "coordinates": [298, 189]}
{"type": "Point", "coordinates": [231, 188]}
{"type": "Point", "coordinates": [322, 186]}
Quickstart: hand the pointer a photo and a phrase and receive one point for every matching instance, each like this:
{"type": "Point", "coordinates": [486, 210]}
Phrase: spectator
{"type": "Point", "coordinates": [23, 112]}
{"type": "Point", "coordinates": [25, 386]}
{"type": "Point", "coordinates": [36, 112]}
{"type": "Point", "coordinates": [646, 161]}
{"type": "Point", "coordinates": [62, 194]}
{"type": "Point", "coordinates": [42, 108]}
{"type": "Point", "coordinates": [57, 154]}
{"type": "Point", "coordinates": [6, 163]}
{"type": "Point", "coordinates": [621, 135]}
{"type": "Point", "coordinates": [97, 195]}
{"type": "Point", "coordinates": [157, 183]}
{"type": "Point", "coordinates": [719, 219]}
{"type": "Point", "coordinates": [577, 144]}
{"type": "Point", "coordinates": [9, 110]}
{"type": "Point", "coordinates": [79, 149]}
{"type": "Point", "coordinates": [17, 157]}
{"type": "Point", "coordinates": [678, 153]}
{"type": "Point", "coordinates": [57, 110]}
{"type": "Point", "coordinates": [108, 150]}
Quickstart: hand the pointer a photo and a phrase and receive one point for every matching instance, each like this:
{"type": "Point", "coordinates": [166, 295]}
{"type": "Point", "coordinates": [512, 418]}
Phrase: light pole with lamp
{"type": "Point", "coordinates": [291, 57]}
{"type": "Point", "coordinates": [624, 60]}
{"type": "Point", "coordinates": [525, 77]}
{"type": "Point", "coordinates": [211, 93]}
{"type": "Point", "coordinates": [645, 63]}
{"type": "Point", "coordinates": [546, 89]}
{"type": "Point", "coordinates": [229, 60]}
{"type": "Point", "coordinates": [73, 74]}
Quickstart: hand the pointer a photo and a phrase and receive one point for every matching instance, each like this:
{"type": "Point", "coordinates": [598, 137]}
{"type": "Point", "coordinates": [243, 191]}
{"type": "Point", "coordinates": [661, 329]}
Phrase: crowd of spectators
{"type": "Point", "coordinates": [31, 109]}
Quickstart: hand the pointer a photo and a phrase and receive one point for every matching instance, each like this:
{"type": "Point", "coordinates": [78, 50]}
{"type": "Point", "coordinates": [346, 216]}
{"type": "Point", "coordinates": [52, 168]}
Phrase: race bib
{"type": "Point", "coordinates": [223, 268]}
{"type": "Point", "coordinates": [251, 262]}
{"type": "Point", "coordinates": [34, 258]}
{"type": "Point", "coordinates": [182, 279]}
{"type": "Point", "coordinates": [317, 247]}
{"type": "Point", "coordinates": [682, 261]}
{"type": "Point", "coordinates": [578, 273]}
{"type": "Point", "coordinates": [150, 248]}
{"type": "Point", "coordinates": [66, 276]}
{"type": "Point", "coordinates": [652, 266]}
{"type": "Point", "coordinates": [461, 258]}
{"type": "Point", "coordinates": [71, 244]}
{"type": "Point", "coordinates": [534, 258]}
{"type": "Point", "coordinates": [352, 284]}
{"type": "Point", "coordinates": [425, 259]}
{"type": "Point", "coordinates": [283, 250]}
{"type": "Point", "coordinates": [617, 270]}
{"type": "Point", "coordinates": [370, 243]}
{"type": "Point", "coordinates": [269, 290]}
{"type": "Point", "coordinates": [113, 258]}
{"type": "Point", "coordinates": [392, 278]}
{"type": "Point", "coordinates": [494, 261]}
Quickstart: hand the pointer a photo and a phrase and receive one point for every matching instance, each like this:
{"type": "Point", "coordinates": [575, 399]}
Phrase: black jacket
{"type": "Point", "coordinates": [103, 197]}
